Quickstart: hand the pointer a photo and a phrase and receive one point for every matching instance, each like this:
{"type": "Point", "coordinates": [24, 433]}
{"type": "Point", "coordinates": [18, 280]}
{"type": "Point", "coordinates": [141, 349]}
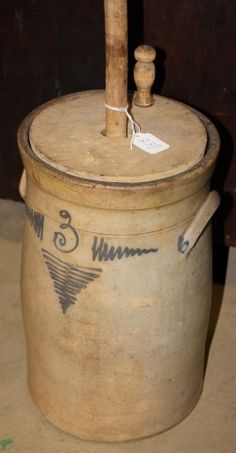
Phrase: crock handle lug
{"type": "Point", "coordinates": [187, 240]}
{"type": "Point", "coordinates": [23, 184]}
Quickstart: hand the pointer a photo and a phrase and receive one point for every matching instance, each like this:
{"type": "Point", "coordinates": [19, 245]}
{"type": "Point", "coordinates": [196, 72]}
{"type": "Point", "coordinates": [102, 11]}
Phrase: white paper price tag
{"type": "Point", "coordinates": [149, 143]}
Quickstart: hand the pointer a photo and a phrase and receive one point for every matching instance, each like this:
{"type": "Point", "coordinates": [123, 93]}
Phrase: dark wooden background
{"type": "Point", "coordinates": [53, 47]}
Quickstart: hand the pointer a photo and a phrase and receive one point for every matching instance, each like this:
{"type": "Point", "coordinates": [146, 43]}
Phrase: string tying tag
{"type": "Point", "coordinates": [134, 125]}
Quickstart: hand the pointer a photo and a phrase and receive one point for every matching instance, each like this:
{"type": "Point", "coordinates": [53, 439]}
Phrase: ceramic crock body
{"type": "Point", "coordinates": [115, 315]}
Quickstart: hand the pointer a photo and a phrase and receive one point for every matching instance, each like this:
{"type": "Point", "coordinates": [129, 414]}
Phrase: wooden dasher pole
{"type": "Point", "coordinates": [116, 65]}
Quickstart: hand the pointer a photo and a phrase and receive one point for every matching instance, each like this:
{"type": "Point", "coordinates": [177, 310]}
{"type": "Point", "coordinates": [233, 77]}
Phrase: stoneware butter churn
{"type": "Point", "coordinates": [116, 264]}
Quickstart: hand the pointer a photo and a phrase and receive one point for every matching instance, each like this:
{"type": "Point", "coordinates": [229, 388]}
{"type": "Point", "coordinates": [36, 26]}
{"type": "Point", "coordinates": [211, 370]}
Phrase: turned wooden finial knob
{"type": "Point", "coordinates": [144, 75]}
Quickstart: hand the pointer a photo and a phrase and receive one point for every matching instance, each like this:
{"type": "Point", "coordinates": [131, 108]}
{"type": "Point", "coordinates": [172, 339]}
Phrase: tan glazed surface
{"type": "Point", "coordinates": [116, 276]}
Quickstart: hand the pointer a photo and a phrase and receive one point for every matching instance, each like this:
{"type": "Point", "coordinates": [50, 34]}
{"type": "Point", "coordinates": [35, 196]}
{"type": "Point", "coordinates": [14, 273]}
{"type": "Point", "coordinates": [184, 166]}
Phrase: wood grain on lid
{"type": "Point", "coordinates": [67, 134]}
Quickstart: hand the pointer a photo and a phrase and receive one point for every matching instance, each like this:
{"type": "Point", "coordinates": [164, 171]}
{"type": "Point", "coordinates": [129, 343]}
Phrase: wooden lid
{"type": "Point", "coordinates": [67, 134]}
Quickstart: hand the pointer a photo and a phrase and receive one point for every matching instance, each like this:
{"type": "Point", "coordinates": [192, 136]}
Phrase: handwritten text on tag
{"type": "Point", "coordinates": [149, 143]}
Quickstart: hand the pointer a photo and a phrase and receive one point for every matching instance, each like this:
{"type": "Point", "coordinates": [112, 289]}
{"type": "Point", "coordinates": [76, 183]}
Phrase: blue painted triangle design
{"type": "Point", "coordinates": [68, 280]}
